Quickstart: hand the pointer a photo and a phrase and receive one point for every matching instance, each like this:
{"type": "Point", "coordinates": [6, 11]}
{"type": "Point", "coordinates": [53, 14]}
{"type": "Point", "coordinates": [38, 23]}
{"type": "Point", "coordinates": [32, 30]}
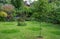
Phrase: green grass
{"type": "Point", "coordinates": [10, 30]}
{"type": "Point", "coordinates": [56, 32]}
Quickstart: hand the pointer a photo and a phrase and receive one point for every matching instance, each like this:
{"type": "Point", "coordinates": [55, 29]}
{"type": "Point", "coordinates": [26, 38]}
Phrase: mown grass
{"type": "Point", "coordinates": [56, 32]}
{"type": "Point", "coordinates": [10, 30]}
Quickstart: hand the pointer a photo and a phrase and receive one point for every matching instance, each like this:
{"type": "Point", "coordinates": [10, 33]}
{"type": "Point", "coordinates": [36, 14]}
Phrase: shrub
{"type": "Point", "coordinates": [3, 14]}
{"type": "Point", "coordinates": [8, 7]}
{"type": "Point", "coordinates": [47, 12]}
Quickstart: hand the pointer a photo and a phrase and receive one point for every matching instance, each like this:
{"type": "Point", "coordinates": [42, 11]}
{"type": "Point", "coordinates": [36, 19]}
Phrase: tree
{"type": "Point", "coordinates": [41, 10]}
{"type": "Point", "coordinates": [47, 12]}
{"type": "Point", "coordinates": [56, 12]}
{"type": "Point", "coordinates": [18, 5]}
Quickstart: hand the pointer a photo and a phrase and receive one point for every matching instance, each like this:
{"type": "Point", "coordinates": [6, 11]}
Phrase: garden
{"type": "Point", "coordinates": [29, 19]}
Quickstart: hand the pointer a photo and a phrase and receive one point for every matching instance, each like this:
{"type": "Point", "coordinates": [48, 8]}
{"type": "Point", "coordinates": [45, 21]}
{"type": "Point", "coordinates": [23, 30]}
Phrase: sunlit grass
{"type": "Point", "coordinates": [10, 30]}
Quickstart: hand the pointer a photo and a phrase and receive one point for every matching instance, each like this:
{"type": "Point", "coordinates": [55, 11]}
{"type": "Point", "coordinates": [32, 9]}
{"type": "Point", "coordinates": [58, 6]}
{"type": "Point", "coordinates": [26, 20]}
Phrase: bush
{"type": "Point", "coordinates": [47, 12]}
{"type": "Point", "coordinates": [3, 14]}
{"type": "Point", "coordinates": [8, 7]}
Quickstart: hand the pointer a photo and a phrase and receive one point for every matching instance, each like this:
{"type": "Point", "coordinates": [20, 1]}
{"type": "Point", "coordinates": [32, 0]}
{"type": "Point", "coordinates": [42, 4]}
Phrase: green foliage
{"type": "Point", "coordinates": [56, 13]}
{"type": "Point", "coordinates": [3, 14]}
{"type": "Point", "coordinates": [48, 12]}
{"type": "Point", "coordinates": [26, 9]}
{"type": "Point", "coordinates": [40, 6]}
{"type": "Point", "coordinates": [17, 3]}
{"type": "Point", "coordinates": [41, 10]}
{"type": "Point", "coordinates": [8, 7]}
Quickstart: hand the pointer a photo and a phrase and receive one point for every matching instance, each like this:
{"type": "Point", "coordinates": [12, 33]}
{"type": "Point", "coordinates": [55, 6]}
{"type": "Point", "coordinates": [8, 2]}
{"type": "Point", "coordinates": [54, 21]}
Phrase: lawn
{"type": "Point", "coordinates": [10, 30]}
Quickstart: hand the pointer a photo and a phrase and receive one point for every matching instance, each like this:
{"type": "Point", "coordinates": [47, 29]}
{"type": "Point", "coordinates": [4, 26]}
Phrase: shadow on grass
{"type": "Point", "coordinates": [9, 31]}
{"type": "Point", "coordinates": [34, 28]}
{"type": "Point", "coordinates": [56, 32]}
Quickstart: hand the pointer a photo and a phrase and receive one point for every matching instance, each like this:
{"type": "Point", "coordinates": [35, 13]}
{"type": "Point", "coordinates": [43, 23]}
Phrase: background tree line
{"type": "Point", "coordinates": [41, 10]}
